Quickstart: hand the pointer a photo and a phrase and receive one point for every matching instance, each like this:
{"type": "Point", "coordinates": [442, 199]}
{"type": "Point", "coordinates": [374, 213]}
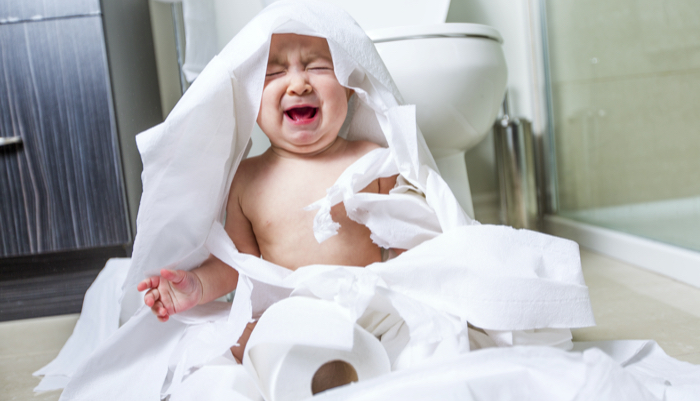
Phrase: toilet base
{"type": "Point", "coordinates": [453, 169]}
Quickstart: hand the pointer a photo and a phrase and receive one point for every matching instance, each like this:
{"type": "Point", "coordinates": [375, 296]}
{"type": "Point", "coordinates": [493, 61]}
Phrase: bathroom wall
{"type": "Point", "coordinates": [626, 88]}
{"type": "Point", "coordinates": [232, 15]}
{"type": "Point", "coordinates": [511, 19]}
{"type": "Point", "coordinates": [166, 54]}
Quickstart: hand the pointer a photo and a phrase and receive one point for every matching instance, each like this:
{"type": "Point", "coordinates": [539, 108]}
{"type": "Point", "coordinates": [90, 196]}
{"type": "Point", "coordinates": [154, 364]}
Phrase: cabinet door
{"type": "Point", "coordinates": [61, 189]}
{"type": "Point", "coordinates": [25, 10]}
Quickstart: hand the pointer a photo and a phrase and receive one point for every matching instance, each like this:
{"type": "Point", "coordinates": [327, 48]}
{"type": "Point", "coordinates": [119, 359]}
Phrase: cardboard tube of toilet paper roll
{"type": "Point", "coordinates": [297, 336]}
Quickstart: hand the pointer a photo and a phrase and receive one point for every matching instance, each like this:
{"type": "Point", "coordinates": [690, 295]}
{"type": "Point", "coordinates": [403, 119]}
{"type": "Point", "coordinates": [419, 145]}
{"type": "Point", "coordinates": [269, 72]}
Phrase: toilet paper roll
{"type": "Point", "coordinates": [298, 336]}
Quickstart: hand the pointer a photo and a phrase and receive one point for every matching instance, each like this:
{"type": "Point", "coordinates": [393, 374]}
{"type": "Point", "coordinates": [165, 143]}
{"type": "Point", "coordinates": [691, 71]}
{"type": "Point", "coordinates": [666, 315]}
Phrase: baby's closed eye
{"type": "Point", "coordinates": [320, 65]}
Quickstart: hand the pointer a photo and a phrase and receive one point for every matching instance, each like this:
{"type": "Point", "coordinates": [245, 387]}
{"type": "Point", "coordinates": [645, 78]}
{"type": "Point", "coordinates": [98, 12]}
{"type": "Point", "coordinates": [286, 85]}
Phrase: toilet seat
{"type": "Point", "coordinates": [380, 14]}
{"type": "Point", "coordinates": [446, 30]}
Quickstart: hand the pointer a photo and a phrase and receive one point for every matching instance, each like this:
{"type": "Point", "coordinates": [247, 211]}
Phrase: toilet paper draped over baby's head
{"type": "Point", "coordinates": [190, 159]}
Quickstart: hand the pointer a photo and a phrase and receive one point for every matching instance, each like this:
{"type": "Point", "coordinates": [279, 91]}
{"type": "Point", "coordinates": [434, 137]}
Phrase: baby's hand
{"type": "Point", "coordinates": [171, 292]}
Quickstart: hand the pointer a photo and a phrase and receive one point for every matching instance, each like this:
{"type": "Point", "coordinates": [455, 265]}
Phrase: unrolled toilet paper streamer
{"type": "Point", "coordinates": [298, 335]}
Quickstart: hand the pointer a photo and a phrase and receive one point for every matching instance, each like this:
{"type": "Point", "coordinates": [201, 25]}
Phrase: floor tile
{"type": "Point", "coordinates": [692, 358]}
{"type": "Point", "coordinates": [16, 380]}
{"type": "Point", "coordinates": [40, 335]}
{"type": "Point", "coordinates": [631, 303]}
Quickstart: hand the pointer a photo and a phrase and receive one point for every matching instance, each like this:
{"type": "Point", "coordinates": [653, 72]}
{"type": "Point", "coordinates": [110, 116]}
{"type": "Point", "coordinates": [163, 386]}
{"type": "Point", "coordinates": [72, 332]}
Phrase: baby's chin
{"type": "Point", "coordinates": [304, 149]}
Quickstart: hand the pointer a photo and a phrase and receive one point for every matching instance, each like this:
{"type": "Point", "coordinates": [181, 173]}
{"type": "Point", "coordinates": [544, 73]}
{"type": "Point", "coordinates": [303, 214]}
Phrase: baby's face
{"type": "Point", "coordinates": [303, 105]}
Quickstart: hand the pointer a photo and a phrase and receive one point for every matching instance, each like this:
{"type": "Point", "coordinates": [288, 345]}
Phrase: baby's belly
{"type": "Point", "coordinates": [294, 245]}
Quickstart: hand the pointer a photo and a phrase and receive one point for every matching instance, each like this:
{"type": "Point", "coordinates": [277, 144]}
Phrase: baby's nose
{"type": "Point", "coordinates": [299, 84]}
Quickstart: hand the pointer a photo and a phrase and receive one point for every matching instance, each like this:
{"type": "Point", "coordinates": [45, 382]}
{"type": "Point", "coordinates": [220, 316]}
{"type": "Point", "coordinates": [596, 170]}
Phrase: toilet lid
{"type": "Point", "coordinates": [380, 14]}
{"type": "Point", "coordinates": [446, 30]}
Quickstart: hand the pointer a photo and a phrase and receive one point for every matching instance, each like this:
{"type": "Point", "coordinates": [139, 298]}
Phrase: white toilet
{"type": "Point", "coordinates": [454, 73]}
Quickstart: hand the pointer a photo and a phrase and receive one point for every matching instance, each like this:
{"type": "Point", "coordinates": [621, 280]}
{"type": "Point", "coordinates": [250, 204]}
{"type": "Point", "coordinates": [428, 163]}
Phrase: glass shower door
{"type": "Point", "coordinates": [625, 102]}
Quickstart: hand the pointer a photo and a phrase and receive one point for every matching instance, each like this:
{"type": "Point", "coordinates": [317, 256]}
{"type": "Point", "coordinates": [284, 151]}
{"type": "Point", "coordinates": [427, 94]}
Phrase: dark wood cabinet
{"type": "Point", "coordinates": [61, 188]}
{"type": "Point", "coordinates": [77, 83]}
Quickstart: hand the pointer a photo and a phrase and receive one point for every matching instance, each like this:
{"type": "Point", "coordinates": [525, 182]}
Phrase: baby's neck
{"type": "Point", "coordinates": [337, 146]}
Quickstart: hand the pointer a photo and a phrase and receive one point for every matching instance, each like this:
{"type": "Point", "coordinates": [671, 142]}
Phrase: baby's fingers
{"type": "Point", "coordinates": [159, 310]}
{"type": "Point", "coordinates": [151, 297]}
{"type": "Point", "coordinates": [151, 282]}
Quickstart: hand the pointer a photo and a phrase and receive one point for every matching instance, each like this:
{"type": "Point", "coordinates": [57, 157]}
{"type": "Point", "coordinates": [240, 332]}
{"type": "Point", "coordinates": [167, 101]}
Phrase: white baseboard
{"type": "Point", "coordinates": [678, 263]}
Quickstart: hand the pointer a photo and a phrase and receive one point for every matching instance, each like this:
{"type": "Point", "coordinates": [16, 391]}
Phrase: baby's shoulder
{"type": "Point", "coordinates": [381, 185]}
{"type": "Point", "coordinates": [247, 172]}
{"type": "Point", "coordinates": [360, 148]}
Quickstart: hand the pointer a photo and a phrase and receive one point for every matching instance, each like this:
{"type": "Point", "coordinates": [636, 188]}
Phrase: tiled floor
{"type": "Point", "coordinates": [632, 303]}
{"type": "Point", "coordinates": [26, 346]}
{"type": "Point", "coordinates": [629, 303]}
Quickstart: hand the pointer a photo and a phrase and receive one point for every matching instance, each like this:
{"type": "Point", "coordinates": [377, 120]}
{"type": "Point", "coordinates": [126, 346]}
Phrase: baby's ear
{"type": "Point", "coordinates": [349, 92]}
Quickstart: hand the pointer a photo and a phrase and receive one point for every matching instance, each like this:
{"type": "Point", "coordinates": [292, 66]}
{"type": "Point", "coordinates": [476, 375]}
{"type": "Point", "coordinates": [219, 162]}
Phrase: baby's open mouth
{"type": "Point", "coordinates": [301, 114]}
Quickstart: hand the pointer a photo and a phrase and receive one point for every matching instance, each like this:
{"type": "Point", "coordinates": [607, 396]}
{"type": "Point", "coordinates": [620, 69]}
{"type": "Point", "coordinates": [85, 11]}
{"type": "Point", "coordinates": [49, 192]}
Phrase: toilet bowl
{"type": "Point", "coordinates": [455, 74]}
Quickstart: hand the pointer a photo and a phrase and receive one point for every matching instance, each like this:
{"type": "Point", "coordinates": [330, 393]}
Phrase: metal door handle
{"type": "Point", "coordinates": [10, 140]}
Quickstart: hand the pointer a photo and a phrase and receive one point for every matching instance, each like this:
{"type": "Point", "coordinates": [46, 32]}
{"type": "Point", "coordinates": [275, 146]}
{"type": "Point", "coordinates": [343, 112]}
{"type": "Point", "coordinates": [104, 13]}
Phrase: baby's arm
{"type": "Point", "coordinates": [172, 292]}
{"type": "Point", "coordinates": [177, 291]}
{"type": "Point", "coordinates": [386, 184]}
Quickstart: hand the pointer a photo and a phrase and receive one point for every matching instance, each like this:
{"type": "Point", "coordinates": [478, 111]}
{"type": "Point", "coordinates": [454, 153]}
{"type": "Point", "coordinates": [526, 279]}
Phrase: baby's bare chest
{"type": "Point", "coordinates": [280, 197]}
{"type": "Point", "coordinates": [275, 206]}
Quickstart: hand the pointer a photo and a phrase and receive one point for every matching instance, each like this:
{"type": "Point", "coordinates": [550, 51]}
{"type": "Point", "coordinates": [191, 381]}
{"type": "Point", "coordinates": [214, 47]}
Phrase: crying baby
{"type": "Point", "coordinates": [302, 110]}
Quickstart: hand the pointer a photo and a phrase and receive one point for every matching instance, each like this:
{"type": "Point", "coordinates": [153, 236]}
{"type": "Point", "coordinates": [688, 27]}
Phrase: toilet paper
{"type": "Point", "coordinates": [297, 336]}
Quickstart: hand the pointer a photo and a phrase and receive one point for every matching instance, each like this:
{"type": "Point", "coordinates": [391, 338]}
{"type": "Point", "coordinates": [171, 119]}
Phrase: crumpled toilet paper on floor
{"type": "Point", "coordinates": [460, 287]}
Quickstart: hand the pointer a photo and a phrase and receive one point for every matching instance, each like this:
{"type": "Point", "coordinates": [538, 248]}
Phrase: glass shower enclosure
{"type": "Point", "coordinates": [624, 101]}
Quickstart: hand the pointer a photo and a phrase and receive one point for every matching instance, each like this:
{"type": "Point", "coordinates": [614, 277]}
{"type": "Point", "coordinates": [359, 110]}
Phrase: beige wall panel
{"type": "Point", "coordinates": [628, 140]}
{"type": "Point", "coordinates": [603, 39]}
{"type": "Point", "coordinates": [626, 85]}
